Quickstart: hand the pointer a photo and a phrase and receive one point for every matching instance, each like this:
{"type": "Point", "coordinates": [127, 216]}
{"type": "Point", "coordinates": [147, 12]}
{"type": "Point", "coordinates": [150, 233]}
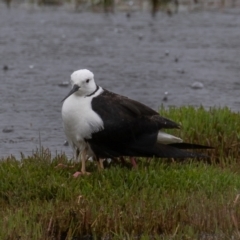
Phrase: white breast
{"type": "Point", "coordinates": [79, 120]}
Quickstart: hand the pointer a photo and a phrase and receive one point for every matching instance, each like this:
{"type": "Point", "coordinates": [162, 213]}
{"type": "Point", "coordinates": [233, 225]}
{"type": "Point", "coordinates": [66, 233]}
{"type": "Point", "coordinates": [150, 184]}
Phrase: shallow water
{"type": "Point", "coordinates": [139, 57]}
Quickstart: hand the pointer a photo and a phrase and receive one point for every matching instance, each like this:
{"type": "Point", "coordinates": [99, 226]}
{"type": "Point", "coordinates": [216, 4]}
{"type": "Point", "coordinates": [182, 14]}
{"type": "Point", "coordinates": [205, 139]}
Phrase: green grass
{"type": "Point", "coordinates": [162, 199]}
{"type": "Point", "coordinates": [217, 127]}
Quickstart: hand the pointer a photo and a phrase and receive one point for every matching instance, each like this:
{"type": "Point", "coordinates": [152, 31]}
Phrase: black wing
{"type": "Point", "coordinates": [130, 129]}
{"type": "Point", "coordinates": [119, 107]}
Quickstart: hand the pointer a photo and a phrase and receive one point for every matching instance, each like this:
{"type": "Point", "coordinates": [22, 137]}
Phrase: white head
{"type": "Point", "coordinates": [82, 82]}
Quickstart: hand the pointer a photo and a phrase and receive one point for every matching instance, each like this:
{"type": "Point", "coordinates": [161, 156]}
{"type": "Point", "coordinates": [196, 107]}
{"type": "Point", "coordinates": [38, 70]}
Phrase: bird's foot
{"type": "Point", "coordinates": [133, 162]}
{"type": "Point", "coordinates": [76, 174]}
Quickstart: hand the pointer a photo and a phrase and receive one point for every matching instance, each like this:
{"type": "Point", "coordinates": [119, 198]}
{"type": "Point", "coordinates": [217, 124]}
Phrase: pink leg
{"type": "Point", "coordinates": [133, 162]}
{"type": "Point", "coordinates": [77, 174]}
{"type": "Point", "coordinates": [82, 157]}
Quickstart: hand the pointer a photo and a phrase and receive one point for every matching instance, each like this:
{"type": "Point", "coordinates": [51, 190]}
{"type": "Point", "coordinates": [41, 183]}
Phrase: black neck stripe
{"type": "Point", "coordinates": [93, 92]}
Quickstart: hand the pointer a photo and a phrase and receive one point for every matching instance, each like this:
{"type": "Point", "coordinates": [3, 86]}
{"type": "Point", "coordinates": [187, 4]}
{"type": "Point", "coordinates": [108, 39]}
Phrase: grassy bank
{"type": "Point", "coordinates": [160, 200]}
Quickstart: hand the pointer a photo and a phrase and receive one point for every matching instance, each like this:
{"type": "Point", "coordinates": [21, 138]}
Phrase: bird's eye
{"type": "Point", "coordinates": [87, 81]}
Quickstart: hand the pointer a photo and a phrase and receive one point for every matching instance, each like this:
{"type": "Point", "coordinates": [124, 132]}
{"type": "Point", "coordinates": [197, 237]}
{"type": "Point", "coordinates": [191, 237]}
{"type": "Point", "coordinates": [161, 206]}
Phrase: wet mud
{"type": "Point", "coordinates": [136, 56]}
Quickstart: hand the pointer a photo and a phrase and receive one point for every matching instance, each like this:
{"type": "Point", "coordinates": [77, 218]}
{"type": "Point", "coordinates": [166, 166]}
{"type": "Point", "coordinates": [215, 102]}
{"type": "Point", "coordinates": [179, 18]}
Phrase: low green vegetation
{"type": "Point", "coordinates": [161, 199]}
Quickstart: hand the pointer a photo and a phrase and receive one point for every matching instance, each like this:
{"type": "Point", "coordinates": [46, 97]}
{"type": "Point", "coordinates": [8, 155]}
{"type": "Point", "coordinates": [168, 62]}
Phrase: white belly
{"type": "Point", "coordinates": [79, 120]}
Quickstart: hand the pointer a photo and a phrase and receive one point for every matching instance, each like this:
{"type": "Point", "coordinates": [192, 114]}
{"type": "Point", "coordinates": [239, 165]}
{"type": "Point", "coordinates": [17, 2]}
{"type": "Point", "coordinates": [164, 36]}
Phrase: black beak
{"type": "Point", "coordinates": [73, 90]}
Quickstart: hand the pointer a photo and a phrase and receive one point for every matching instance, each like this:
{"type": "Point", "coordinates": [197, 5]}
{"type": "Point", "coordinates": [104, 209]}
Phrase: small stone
{"type": "Point", "coordinates": [140, 36]}
{"type": "Point", "coordinates": [63, 84]}
{"type": "Point", "coordinates": [165, 98]}
{"type": "Point", "coordinates": [128, 14]}
{"type": "Point", "coordinates": [197, 85]}
{"type": "Point", "coordinates": [169, 12]}
{"type": "Point", "coordinates": [5, 67]}
{"type": "Point", "coordinates": [8, 129]}
{"type": "Point", "coordinates": [181, 70]}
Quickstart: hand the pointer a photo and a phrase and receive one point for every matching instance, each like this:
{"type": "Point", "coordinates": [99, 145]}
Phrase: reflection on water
{"type": "Point", "coordinates": [139, 57]}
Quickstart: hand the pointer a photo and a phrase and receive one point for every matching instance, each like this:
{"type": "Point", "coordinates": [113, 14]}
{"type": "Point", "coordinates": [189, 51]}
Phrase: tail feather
{"type": "Point", "coordinates": [166, 151]}
{"type": "Point", "coordinates": [189, 146]}
{"type": "Point", "coordinates": [158, 151]}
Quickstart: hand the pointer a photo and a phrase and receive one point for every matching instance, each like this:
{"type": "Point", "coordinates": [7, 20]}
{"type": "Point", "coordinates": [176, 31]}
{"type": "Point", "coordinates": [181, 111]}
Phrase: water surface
{"type": "Point", "coordinates": [138, 57]}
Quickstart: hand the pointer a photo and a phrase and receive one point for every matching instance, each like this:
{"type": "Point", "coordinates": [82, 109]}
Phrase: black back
{"type": "Point", "coordinates": [130, 127]}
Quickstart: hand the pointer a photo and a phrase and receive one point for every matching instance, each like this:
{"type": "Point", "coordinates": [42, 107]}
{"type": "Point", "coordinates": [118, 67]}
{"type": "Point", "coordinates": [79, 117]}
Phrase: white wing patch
{"type": "Point", "coordinates": [166, 138]}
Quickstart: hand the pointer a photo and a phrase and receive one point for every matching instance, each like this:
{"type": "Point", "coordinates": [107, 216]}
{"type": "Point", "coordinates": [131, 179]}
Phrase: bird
{"type": "Point", "coordinates": [102, 124]}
